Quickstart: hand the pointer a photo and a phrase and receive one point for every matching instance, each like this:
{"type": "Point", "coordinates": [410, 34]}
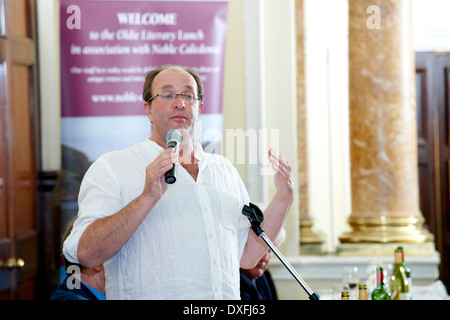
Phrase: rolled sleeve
{"type": "Point", "coordinates": [70, 246]}
{"type": "Point", "coordinates": [98, 198]}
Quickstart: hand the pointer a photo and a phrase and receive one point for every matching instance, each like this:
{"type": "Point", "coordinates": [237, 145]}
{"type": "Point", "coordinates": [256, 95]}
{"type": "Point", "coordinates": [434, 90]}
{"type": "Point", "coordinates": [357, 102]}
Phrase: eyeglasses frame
{"type": "Point", "coordinates": [200, 96]}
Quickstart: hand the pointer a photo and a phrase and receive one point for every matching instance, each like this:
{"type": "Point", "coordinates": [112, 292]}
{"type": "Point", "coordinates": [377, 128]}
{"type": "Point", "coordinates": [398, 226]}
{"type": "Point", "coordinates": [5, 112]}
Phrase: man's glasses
{"type": "Point", "coordinates": [167, 97]}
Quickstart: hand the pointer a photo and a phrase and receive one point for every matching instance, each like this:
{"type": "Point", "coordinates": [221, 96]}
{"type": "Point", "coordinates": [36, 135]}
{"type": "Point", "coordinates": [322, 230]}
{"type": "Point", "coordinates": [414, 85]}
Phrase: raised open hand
{"type": "Point", "coordinates": [283, 178]}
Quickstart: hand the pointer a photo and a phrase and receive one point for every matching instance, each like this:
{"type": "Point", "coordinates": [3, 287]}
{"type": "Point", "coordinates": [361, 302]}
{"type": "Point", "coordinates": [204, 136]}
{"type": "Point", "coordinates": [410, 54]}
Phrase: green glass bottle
{"type": "Point", "coordinates": [407, 269]}
{"type": "Point", "coordinates": [399, 282]}
{"type": "Point", "coordinates": [380, 293]}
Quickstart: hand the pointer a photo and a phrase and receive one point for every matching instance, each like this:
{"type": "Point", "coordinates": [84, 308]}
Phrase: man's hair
{"type": "Point", "coordinates": [147, 90]}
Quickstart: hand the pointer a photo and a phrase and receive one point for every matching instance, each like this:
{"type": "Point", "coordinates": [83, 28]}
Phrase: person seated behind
{"type": "Point", "coordinates": [84, 283]}
{"type": "Point", "coordinates": [256, 283]}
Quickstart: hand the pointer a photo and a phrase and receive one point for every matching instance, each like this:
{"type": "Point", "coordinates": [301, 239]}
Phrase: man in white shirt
{"type": "Point", "coordinates": [181, 241]}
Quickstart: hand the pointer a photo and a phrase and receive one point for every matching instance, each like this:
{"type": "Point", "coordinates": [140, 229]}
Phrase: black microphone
{"type": "Point", "coordinates": [173, 140]}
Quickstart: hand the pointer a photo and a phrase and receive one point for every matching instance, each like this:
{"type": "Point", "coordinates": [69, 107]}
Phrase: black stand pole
{"type": "Point", "coordinates": [255, 216]}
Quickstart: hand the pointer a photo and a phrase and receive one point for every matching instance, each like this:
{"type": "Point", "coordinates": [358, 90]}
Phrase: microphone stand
{"type": "Point", "coordinates": [255, 216]}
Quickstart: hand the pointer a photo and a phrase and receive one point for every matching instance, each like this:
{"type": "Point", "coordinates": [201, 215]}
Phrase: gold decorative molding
{"type": "Point", "coordinates": [387, 229]}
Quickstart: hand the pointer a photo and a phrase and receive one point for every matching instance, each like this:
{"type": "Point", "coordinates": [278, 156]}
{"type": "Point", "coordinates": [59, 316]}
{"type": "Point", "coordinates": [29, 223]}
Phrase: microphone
{"type": "Point", "coordinates": [173, 140]}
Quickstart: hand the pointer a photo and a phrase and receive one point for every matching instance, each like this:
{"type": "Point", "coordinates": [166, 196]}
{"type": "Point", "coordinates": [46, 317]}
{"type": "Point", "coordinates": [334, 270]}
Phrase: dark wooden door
{"type": "Point", "coordinates": [433, 116]}
{"type": "Point", "coordinates": [426, 117]}
{"type": "Point", "coordinates": [19, 236]}
{"type": "Point", "coordinates": [5, 217]}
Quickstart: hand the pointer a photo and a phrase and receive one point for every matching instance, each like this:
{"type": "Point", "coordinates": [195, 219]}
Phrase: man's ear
{"type": "Point", "coordinates": [148, 111]}
{"type": "Point", "coordinates": [200, 108]}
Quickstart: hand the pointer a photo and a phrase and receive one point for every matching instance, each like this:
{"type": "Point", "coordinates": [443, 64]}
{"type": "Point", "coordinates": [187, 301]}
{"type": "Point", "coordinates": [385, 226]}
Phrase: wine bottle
{"type": "Point", "coordinates": [399, 282]}
{"type": "Point", "coordinates": [380, 293]}
{"type": "Point", "coordinates": [407, 269]}
{"type": "Point", "coordinates": [363, 292]}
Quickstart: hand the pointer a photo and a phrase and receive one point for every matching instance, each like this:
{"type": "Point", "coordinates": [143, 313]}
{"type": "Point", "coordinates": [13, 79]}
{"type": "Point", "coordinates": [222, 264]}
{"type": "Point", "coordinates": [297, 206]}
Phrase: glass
{"type": "Point", "coordinates": [167, 97]}
{"type": "Point", "coordinates": [325, 294]}
{"type": "Point", "coordinates": [350, 280]}
{"type": "Point", "coordinates": [337, 289]}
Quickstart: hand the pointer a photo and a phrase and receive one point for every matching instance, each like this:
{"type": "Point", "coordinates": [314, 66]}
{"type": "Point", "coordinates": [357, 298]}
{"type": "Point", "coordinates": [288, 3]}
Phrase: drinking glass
{"type": "Point", "coordinates": [350, 280]}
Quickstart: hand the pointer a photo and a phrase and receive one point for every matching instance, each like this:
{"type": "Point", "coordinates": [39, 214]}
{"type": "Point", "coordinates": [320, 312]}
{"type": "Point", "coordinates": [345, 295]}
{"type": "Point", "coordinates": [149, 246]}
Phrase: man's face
{"type": "Point", "coordinates": [177, 113]}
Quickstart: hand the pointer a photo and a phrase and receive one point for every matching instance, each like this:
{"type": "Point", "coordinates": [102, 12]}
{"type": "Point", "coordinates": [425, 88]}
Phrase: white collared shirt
{"type": "Point", "coordinates": [190, 244]}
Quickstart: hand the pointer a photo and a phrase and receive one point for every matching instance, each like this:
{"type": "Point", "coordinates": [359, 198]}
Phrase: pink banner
{"type": "Point", "coordinates": [107, 47]}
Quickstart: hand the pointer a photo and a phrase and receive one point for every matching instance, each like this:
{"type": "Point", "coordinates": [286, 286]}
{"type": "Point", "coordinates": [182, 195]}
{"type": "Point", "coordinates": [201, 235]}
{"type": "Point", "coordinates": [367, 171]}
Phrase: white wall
{"type": "Point", "coordinates": [326, 55]}
{"type": "Point", "coordinates": [431, 25]}
{"type": "Point", "coordinates": [281, 103]}
{"type": "Point", "coordinates": [269, 25]}
{"type": "Point", "coordinates": [49, 76]}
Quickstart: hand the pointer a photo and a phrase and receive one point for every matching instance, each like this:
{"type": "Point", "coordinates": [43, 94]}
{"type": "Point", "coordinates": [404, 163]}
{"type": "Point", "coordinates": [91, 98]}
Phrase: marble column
{"type": "Point", "coordinates": [383, 126]}
{"type": "Point", "coordinates": [310, 241]}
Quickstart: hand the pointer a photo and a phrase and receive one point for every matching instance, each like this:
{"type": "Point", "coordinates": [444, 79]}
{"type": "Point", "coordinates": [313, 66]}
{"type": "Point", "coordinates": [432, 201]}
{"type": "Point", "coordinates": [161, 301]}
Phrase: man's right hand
{"type": "Point", "coordinates": [155, 185]}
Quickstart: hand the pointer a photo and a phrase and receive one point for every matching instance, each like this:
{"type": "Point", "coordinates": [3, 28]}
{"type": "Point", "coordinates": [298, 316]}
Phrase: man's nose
{"type": "Point", "coordinates": [179, 102]}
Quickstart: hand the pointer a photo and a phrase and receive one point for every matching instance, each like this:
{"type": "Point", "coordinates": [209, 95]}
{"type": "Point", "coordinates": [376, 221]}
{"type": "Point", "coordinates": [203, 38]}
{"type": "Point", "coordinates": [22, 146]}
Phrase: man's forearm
{"type": "Point", "coordinates": [103, 238]}
{"type": "Point", "coordinates": [274, 217]}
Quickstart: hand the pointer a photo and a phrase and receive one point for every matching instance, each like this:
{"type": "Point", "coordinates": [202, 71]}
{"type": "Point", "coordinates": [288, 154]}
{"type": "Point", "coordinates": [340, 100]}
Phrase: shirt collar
{"type": "Point", "coordinates": [198, 153]}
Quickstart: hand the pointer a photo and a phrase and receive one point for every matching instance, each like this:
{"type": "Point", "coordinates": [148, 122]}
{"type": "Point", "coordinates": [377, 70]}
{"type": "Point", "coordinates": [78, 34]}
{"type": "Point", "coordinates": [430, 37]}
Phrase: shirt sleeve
{"type": "Point", "coordinates": [244, 199]}
{"type": "Point", "coordinates": [98, 198]}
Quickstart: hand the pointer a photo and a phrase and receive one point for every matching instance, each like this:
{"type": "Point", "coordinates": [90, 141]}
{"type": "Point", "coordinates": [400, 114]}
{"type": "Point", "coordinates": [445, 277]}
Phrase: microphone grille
{"type": "Point", "coordinates": [174, 134]}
